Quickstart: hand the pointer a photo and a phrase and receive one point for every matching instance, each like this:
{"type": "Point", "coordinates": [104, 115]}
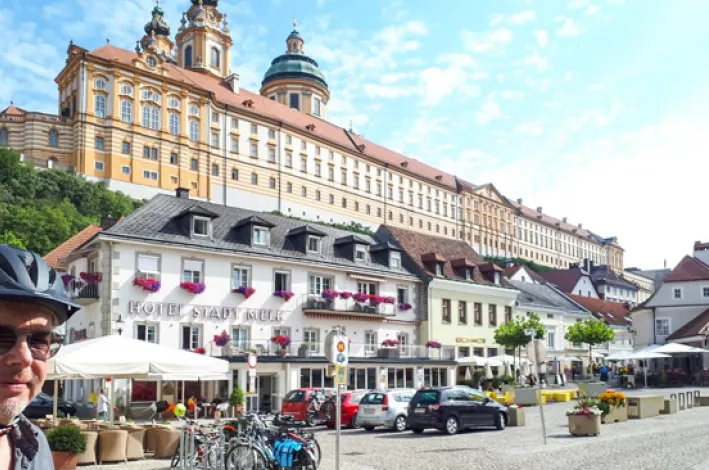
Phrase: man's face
{"type": "Point", "coordinates": [21, 375]}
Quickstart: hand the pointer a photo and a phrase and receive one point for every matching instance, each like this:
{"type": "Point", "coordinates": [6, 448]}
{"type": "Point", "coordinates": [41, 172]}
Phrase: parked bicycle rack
{"type": "Point", "coordinates": [188, 448]}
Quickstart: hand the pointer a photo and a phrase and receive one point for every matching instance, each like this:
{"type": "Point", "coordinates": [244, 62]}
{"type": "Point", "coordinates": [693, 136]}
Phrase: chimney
{"type": "Point", "coordinates": [701, 252]}
{"type": "Point", "coordinates": [232, 81]}
{"type": "Point", "coordinates": [182, 193]}
{"type": "Point", "coordinates": [539, 209]}
{"type": "Point", "coordinates": [519, 201]}
{"type": "Point", "coordinates": [580, 225]}
{"type": "Point", "coordinates": [108, 222]}
{"type": "Point", "coordinates": [565, 220]}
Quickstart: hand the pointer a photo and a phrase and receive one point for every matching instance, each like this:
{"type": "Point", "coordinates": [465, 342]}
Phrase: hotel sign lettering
{"type": "Point", "coordinates": [205, 312]}
{"type": "Point", "coordinates": [470, 340]}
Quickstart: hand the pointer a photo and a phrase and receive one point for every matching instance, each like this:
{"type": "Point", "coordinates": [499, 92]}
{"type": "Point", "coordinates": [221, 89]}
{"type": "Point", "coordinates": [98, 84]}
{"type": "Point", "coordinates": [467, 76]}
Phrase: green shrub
{"type": "Point", "coordinates": [508, 380]}
{"type": "Point", "coordinates": [67, 439]}
{"type": "Point", "coordinates": [237, 397]}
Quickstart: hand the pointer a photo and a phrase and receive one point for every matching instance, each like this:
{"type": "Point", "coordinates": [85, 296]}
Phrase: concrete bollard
{"type": "Point", "coordinates": [697, 401]}
{"type": "Point", "coordinates": [670, 406]}
{"type": "Point", "coordinates": [690, 400]}
{"type": "Point", "coordinates": [681, 404]}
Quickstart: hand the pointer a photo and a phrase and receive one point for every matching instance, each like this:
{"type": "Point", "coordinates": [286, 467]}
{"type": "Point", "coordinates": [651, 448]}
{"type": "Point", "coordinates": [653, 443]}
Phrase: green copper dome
{"type": "Point", "coordinates": [294, 65]}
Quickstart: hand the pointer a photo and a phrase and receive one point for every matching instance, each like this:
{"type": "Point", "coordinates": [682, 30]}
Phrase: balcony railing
{"type": "Point", "coordinates": [348, 306]}
{"type": "Point", "coordinates": [82, 292]}
{"type": "Point", "coordinates": [316, 349]}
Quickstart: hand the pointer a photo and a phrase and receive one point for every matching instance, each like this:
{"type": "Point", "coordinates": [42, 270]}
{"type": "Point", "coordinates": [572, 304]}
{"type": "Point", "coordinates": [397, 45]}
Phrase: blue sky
{"type": "Point", "coordinates": [592, 109]}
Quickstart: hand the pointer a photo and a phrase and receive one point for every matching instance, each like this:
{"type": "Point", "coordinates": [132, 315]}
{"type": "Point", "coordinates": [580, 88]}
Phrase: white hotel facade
{"type": "Point", "coordinates": [177, 239]}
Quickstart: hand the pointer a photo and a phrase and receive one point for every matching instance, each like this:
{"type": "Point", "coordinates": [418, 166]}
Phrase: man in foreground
{"type": "Point", "coordinates": [32, 304]}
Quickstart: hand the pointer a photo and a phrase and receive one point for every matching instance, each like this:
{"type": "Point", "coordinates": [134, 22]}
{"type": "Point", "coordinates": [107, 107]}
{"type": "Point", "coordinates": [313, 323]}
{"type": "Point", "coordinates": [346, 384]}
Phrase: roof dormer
{"type": "Point", "coordinates": [434, 263]}
{"type": "Point", "coordinates": [464, 268]}
{"type": "Point", "coordinates": [306, 239]}
{"type": "Point", "coordinates": [254, 231]}
{"type": "Point", "coordinates": [197, 221]}
{"type": "Point", "coordinates": [353, 247]}
{"type": "Point", "coordinates": [387, 254]}
{"type": "Point", "coordinates": [492, 272]}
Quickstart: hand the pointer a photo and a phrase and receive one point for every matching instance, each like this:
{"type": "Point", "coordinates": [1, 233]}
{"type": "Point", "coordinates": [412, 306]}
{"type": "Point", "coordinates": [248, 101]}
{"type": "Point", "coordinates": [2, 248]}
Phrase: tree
{"type": "Point", "coordinates": [511, 334]}
{"type": "Point", "coordinates": [591, 332]}
{"type": "Point", "coordinates": [502, 262]}
{"type": "Point", "coordinates": [9, 238]}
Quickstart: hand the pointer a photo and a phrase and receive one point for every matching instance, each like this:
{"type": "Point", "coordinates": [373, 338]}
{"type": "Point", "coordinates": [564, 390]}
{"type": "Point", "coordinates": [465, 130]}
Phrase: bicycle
{"type": "Point", "coordinates": [207, 441]}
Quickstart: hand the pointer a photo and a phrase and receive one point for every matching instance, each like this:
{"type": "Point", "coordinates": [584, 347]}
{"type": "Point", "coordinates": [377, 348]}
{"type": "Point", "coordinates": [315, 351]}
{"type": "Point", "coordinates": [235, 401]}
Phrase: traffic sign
{"type": "Point", "coordinates": [337, 348]}
{"type": "Point", "coordinates": [341, 375]}
{"type": "Point", "coordinates": [252, 360]}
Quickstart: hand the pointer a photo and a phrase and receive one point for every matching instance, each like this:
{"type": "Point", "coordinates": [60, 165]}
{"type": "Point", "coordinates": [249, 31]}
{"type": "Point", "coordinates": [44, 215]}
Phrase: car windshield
{"type": "Point", "coordinates": [425, 397]}
{"type": "Point", "coordinates": [355, 398]}
{"type": "Point", "coordinates": [295, 396]}
{"type": "Point", "coordinates": [372, 399]}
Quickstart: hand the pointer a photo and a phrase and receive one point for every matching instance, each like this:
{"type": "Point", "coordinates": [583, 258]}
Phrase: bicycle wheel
{"type": "Point", "coordinates": [175, 458]}
{"type": "Point", "coordinates": [315, 449]}
{"type": "Point", "coordinates": [305, 460]}
{"type": "Point", "coordinates": [245, 456]}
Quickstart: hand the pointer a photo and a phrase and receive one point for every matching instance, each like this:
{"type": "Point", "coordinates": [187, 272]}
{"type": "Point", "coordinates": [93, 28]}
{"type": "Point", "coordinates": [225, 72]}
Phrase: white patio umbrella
{"type": "Point", "coordinates": [125, 358]}
{"type": "Point", "coordinates": [620, 356]}
{"type": "Point", "coordinates": [472, 361]}
{"type": "Point", "coordinates": [647, 355]}
{"type": "Point", "coordinates": [678, 348]}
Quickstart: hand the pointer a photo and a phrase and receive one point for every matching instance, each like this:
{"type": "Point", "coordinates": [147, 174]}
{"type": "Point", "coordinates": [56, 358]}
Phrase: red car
{"type": "Point", "coordinates": [297, 402]}
{"type": "Point", "coordinates": [350, 406]}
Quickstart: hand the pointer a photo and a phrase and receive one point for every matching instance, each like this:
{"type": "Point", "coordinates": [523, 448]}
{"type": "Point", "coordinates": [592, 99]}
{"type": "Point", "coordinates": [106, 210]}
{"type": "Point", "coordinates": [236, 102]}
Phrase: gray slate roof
{"type": "Point", "coordinates": [542, 296]}
{"type": "Point", "coordinates": [158, 221]}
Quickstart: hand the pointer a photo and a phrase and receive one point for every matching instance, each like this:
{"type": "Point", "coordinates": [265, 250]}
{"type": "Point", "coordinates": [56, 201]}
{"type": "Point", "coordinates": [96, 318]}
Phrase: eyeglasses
{"type": "Point", "coordinates": [43, 344]}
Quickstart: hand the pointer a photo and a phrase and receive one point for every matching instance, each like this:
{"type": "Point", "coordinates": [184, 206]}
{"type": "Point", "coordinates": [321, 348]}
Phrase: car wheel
{"type": "Point", "coordinates": [400, 424]}
{"type": "Point", "coordinates": [353, 422]}
{"type": "Point", "coordinates": [417, 430]}
{"type": "Point", "coordinates": [500, 421]}
{"type": "Point", "coordinates": [451, 426]}
{"type": "Point", "coordinates": [310, 420]}
{"type": "Point", "coordinates": [369, 428]}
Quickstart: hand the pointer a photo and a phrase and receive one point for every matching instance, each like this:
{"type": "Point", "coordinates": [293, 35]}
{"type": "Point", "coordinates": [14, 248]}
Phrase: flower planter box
{"type": "Point", "coordinates": [388, 353]}
{"type": "Point", "coordinates": [592, 389]}
{"type": "Point", "coordinates": [645, 407]}
{"type": "Point", "coordinates": [526, 396]}
{"type": "Point", "coordinates": [584, 425]}
{"type": "Point", "coordinates": [702, 401]}
{"type": "Point", "coordinates": [618, 414]}
{"type": "Point", "coordinates": [65, 460]}
{"type": "Point", "coordinates": [670, 406]}
{"type": "Point", "coordinates": [516, 417]}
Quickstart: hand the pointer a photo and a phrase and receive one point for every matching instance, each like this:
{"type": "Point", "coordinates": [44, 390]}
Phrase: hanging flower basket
{"type": "Point", "coordinates": [193, 287]}
{"type": "Point", "coordinates": [66, 279]}
{"type": "Point", "coordinates": [222, 339]}
{"type": "Point", "coordinates": [284, 294]}
{"type": "Point", "coordinates": [360, 297]}
{"type": "Point", "coordinates": [433, 345]}
{"type": "Point", "coordinates": [200, 351]}
{"type": "Point", "coordinates": [330, 295]}
{"type": "Point", "coordinates": [390, 343]}
{"type": "Point", "coordinates": [404, 307]}
{"type": "Point", "coordinates": [375, 300]}
{"type": "Point", "coordinates": [245, 291]}
{"type": "Point", "coordinates": [388, 300]}
{"type": "Point", "coordinates": [150, 285]}
{"type": "Point", "coordinates": [345, 295]}
{"type": "Point", "coordinates": [91, 278]}
{"type": "Point", "coordinates": [280, 340]}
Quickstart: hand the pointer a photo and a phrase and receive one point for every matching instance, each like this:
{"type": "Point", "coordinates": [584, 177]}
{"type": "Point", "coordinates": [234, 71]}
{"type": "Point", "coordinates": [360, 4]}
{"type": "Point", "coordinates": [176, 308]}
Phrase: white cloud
{"type": "Point", "coordinates": [591, 10]}
{"type": "Point", "coordinates": [389, 78]}
{"type": "Point", "coordinates": [529, 129]}
{"type": "Point", "coordinates": [577, 4]}
{"type": "Point", "coordinates": [542, 37]}
{"type": "Point", "coordinates": [595, 117]}
{"type": "Point", "coordinates": [568, 28]}
{"type": "Point", "coordinates": [596, 87]}
{"type": "Point", "coordinates": [497, 19]}
{"type": "Point", "coordinates": [482, 43]}
{"type": "Point", "coordinates": [523, 17]}
{"type": "Point", "coordinates": [437, 83]}
{"type": "Point", "coordinates": [512, 95]}
{"type": "Point", "coordinates": [374, 90]}
{"type": "Point", "coordinates": [536, 61]}
{"type": "Point", "coordinates": [417, 27]}
{"type": "Point", "coordinates": [489, 111]}
{"type": "Point", "coordinates": [456, 60]}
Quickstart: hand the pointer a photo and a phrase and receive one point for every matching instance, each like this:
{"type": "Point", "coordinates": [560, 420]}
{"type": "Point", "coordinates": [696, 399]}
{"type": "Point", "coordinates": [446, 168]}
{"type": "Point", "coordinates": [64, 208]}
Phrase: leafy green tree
{"type": "Point", "coordinates": [9, 238]}
{"type": "Point", "coordinates": [591, 332]}
{"type": "Point", "coordinates": [502, 262]}
{"type": "Point", "coordinates": [512, 334]}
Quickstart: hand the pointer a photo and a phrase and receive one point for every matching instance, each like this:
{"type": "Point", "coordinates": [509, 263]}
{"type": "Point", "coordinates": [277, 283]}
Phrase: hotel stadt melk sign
{"type": "Point", "coordinates": [171, 311]}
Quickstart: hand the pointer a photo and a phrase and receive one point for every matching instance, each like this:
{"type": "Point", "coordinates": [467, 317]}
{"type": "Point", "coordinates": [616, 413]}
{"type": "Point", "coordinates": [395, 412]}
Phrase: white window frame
{"type": "Point", "coordinates": [370, 341]}
{"type": "Point", "coordinates": [100, 106]}
{"type": "Point", "coordinates": [318, 244]}
{"type": "Point", "coordinates": [99, 165]}
{"type": "Point", "coordinates": [240, 337]}
{"type": "Point", "coordinates": [395, 260]}
{"type": "Point", "coordinates": [195, 334]}
{"type": "Point", "coordinates": [701, 292]}
{"type": "Point", "coordinates": [155, 327]}
{"type": "Point", "coordinates": [125, 169]}
{"type": "Point", "coordinates": [551, 340]}
{"type": "Point", "coordinates": [194, 130]}
{"type": "Point", "coordinates": [147, 273]}
{"type": "Point", "coordinates": [405, 289]}
{"type": "Point", "coordinates": [192, 270]}
{"type": "Point", "coordinates": [674, 293]}
{"type": "Point", "coordinates": [360, 249]}
{"type": "Point", "coordinates": [312, 343]}
{"type": "Point", "coordinates": [280, 272]}
{"type": "Point", "coordinates": [208, 224]}
{"type": "Point", "coordinates": [666, 320]}
{"type": "Point", "coordinates": [316, 284]}
{"type": "Point", "coordinates": [174, 124]}
{"type": "Point", "coordinates": [243, 272]}
{"type": "Point", "coordinates": [256, 236]}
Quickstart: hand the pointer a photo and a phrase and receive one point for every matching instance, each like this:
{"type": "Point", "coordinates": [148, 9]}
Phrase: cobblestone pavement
{"type": "Point", "coordinates": [675, 441]}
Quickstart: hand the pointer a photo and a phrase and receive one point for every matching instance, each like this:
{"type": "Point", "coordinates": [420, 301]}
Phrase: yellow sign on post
{"type": "Point", "coordinates": [341, 375]}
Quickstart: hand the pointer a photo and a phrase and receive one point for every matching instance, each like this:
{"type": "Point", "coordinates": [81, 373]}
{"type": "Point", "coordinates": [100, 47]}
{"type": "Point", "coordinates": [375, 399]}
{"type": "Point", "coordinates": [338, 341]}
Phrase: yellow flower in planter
{"type": "Point", "coordinates": [612, 399]}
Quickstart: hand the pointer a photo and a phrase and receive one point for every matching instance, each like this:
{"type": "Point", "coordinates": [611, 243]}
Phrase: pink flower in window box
{"type": "Point", "coordinates": [194, 287]}
{"type": "Point", "coordinates": [245, 291]}
{"type": "Point", "coordinates": [360, 297]}
{"type": "Point", "coordinates": [390, 343]}
{"type": "Point", "coordinates": [284, 294]}
{"type": "Point", "coordinates": [150, 285]}
{"type": "Point", "coordinates": [433, 344]}
{"type": "Point", "coordinates": [345, 295]}
{"type": "Point", "coordinates": [91, 278]}
{"type": "Point", "coordinates": [200, 351]}
{"type": "Point", "coordinates": [330, 295]}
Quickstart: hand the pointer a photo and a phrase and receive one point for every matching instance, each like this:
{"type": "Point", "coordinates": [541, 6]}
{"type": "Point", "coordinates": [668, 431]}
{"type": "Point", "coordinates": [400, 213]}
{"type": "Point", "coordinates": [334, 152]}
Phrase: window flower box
{"type": "Point", "coordinates": [345, 295]}
{"type": "Point", "coordinates": [200, 351]}
{"type": "Point", "coordinates": [404, 307]}
{"type": "Point", "coordinates": [390, 343]}
{"type": "Point", "coordinates": [91, 278]}
{"type": "Point", "coordinates": [149, 285]}
{"type": "Point", "coordinates": [245, 291]}
{"type": "Point", "coordinates": [282, 342]}
{"type": "Point", "coordinates": [193, 287]}
{"type": "Point", "coordinates": [433, 344]}
{"type": "Point", "coordinates": [284, 294]}
{"type": "Point", "coordinates": [222, 339]}
{"type": "Point", "coordinates": [388, 300]}
{"type": "Point", "coordinates": [330, 295]}
{"type": "Point", "coordinates": [360, 297]}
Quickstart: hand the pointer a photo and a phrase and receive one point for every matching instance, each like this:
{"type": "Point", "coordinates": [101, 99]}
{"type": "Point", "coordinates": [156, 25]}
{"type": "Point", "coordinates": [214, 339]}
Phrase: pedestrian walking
{"type": "Point", "coordinates": [33, 303]}
{"type": "Point", "coordinates": [604, 373]}
{"type": "Point", "coordinates": [102, 405]}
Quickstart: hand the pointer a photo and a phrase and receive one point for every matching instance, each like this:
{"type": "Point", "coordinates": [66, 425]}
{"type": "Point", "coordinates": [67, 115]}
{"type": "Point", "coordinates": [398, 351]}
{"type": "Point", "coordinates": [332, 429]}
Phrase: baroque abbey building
{"type": "Point", "coordinates": [171, 114]}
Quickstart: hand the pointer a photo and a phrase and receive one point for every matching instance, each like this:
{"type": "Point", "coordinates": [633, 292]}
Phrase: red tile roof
{"type": "Point", "coordinates": [614, 313]}
{"type": "Point", "coordinates": [13, 110]}
{"type": "Point", "coordinates": [54, 258]}
{"type": "Point", "coordinates": [688, 269]}
{"type": "Point", "coordinates": [696, 326]}
{"type": "Point", "coordinates": [564, 279]}
{"type": "Point", "coordinates": [266, 107]}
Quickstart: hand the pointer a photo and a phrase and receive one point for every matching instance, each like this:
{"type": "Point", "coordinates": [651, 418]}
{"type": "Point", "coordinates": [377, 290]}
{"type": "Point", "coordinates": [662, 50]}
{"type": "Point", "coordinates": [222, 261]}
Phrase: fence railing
{"type": "Point", "coordinates": [79, 289]}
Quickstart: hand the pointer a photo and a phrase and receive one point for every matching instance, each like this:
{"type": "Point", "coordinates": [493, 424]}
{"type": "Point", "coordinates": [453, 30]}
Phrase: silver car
{"type": "Point", "coordinates": [387, 408]}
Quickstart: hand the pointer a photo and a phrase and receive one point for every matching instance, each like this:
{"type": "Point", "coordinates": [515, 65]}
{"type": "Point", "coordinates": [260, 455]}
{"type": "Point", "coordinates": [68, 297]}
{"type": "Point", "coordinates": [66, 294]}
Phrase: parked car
{"type": "Point", "coordinates": [450, 409]}
{"type": "Point", "coordinates": [350, 406]}
{"type": "Point", "coordinates": [385, 408]}
{"type": "Point", "coordinates": [305, 404]}
{"type": "Point", "coordinates": [43, 405]}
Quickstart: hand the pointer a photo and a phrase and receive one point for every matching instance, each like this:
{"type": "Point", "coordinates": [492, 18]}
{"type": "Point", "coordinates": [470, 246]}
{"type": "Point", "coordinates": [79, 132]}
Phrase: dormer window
{"type": "Point", "coordinates": [201, 226]}
{"type": "Point", "coordinates": [314, 244]}
{"type": "Point", "coordinates": [394, 260]}
{"type": "Point", "coordinates": [468, 274]}
{"type": "Point", "coordinates": [497, 278]}
{"type": "Point", "coordinates": [260, 236]}
{"type": "Point", "coordinates": [360, 253]}
{"type": "Point", "coordinates": [439, 269]}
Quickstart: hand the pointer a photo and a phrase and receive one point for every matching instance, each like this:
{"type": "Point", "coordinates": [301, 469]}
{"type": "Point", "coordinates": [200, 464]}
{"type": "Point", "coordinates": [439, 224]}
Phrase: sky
{"type": "Point", "coordinates": [592, 109]}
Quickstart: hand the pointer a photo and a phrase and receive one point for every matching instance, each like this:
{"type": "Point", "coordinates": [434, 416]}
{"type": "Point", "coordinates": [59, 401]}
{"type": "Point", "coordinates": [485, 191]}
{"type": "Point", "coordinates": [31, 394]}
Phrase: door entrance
{"type": "Point", "coordinates": [265, 385]}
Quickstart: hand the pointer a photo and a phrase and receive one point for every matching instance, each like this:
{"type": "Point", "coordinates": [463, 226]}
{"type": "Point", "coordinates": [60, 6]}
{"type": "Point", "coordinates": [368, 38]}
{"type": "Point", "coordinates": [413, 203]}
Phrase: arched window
{"type": "Point", "coordinates": [151, 117]}
{"type": "Point", "coordinates": [194, 130]}
{"type": "Point", "coordinates": [174, 124]}
{"type": "Point", "coordinates": [4, 137]}
{"type": "Point", "coordinates": [53, 138]}
{"type": "Point", "coordinates": [188, 56]}
{"type": "Point", "coordinates": [127, 111]}
{"type": "Point", "coordinates": [214, 57]}
{"type": "Point", "coordinates": [100, 106]}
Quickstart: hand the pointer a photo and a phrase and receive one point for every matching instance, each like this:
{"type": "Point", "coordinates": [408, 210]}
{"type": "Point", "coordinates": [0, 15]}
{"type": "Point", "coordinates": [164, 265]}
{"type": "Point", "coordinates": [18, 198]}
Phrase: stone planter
{"type": "Point", "coordinates": [703, 401]}
{"type": "Point", "coordinates": [516, 417]}
{"type": "Point", "coordinates": [388, 353]}
{"type": "Point", "coordinates": [670, 406]}
{"type": "Point", "coordinates": [645, 407]}
{"type": "Point", "coordinates": [592, 389]}
{"type": "Point", "coordinates": [526, 396]}
{"type": "Point", "coordinates": [65, 460]}
{"type": "Point", "coordinates": [617, 414]}
{"type": "Point", "coordinates": [584, 425]}
{"type": "Point", "coordinates": [507, 388]}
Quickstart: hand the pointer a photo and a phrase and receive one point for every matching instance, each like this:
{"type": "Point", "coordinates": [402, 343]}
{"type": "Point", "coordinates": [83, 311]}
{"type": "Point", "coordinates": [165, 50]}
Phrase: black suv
{"type": "Point", "coordinates": [450, 409]}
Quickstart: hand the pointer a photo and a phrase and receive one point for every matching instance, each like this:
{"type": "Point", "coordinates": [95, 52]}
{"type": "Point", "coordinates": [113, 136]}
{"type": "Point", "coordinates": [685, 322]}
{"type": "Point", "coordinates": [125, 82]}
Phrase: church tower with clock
{"type": "Point", "coordinates": [203, 40]}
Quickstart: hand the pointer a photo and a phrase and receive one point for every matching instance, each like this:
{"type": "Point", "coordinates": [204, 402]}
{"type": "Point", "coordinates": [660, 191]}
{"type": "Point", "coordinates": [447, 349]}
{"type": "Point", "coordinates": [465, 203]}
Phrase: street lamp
{"type": "Point", "coordinates": [119, 324]}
